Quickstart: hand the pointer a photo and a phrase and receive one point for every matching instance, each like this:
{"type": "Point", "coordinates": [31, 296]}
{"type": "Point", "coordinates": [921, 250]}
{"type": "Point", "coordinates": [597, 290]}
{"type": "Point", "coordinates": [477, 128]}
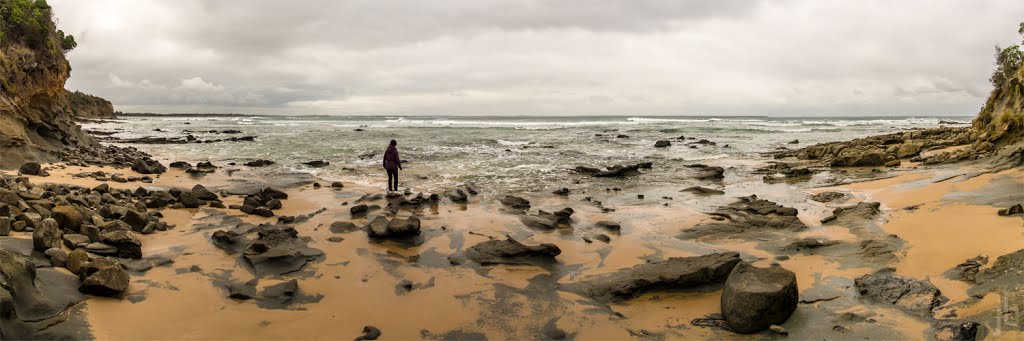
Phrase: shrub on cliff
{"type": "Point", "coordinates": [1001, 120]}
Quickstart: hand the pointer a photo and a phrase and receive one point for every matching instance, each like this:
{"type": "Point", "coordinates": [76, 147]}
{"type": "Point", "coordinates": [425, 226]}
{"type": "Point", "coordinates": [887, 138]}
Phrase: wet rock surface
{"type": "Point", "coordinates": [749, 213]}
{"type": "Point", "coordinates": [672, 274]}
{"type": "Point", "coordinates": [511, 251]}
{"type": "Point", "coordinates": [911, 295]}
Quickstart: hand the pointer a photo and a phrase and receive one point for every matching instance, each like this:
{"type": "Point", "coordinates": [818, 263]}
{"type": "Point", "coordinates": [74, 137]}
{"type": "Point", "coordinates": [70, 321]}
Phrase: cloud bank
{"type": "Point", "coordinates": [539, 57]}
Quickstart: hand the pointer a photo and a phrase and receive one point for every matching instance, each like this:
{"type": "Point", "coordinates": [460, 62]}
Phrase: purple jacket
{"type": "Point", "coordinates": [391, 160]}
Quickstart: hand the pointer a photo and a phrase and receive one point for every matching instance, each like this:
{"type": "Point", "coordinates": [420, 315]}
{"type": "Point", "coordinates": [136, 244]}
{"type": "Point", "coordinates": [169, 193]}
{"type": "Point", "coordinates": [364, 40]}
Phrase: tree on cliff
{"type": "Point", "coordinates": [30, 22]}
{"type": "Point", "coordinates": [1008, 61]}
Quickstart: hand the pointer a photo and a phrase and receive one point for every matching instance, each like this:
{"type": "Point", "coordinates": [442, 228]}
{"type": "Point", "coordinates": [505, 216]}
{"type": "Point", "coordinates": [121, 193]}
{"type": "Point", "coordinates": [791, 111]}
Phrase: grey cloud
{"type": "Point", "coordinates": [538, 56]}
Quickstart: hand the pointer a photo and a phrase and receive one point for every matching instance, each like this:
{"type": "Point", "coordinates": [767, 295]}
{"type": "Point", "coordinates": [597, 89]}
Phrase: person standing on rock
{"type": "Point", "coordinates": [392, 163]}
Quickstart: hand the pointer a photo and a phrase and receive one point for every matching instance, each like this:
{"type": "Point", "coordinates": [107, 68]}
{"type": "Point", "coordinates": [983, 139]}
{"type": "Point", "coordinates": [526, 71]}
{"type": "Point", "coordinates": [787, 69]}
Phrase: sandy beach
{"type": "Point", "coordinates": [414, 290]}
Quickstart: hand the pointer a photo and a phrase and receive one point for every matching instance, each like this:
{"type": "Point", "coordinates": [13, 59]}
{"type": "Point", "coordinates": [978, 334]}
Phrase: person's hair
{"type": "Point", "coordinates": [393, 143]}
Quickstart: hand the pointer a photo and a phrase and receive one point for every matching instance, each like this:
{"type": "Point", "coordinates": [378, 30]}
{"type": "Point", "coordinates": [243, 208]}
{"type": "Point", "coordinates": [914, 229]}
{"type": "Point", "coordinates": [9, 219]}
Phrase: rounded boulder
{"type": "Point", "coordinates": [755, 298]}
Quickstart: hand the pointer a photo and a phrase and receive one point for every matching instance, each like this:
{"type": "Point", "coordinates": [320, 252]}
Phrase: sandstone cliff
{"type": "Point", "coordinates": [35, 122]}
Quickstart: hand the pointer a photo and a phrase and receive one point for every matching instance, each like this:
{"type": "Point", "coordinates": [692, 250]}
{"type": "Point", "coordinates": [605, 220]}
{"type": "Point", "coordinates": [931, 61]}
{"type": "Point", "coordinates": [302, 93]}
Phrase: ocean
{"type": "Point", "coordinates": [506, 154]}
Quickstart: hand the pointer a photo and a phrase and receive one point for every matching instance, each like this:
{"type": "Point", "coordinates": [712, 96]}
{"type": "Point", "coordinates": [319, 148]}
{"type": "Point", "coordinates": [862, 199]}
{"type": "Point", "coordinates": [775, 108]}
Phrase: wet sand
{"type": "Point", "coordinates": [355, 284]}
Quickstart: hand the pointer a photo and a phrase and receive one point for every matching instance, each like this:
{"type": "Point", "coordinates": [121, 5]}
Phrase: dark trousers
{"type": "Point", "coordinates": [392, 179]}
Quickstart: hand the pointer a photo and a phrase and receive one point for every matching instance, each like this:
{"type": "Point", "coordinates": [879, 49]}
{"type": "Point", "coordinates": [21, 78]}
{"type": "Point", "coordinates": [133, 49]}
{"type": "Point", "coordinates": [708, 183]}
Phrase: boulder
{"type": "Point", "coordinates": [673, 273]}
{"type": "Point", "coordinates": [548, 220]}
{"type": "Point", "coordinates": [756, 298]}
{"type": "Point", "coordinates": [957, 331]}
{"type": "Point", "coordinates": [73, 240]}
{"type": "Point", "coordinates": [609, 225]}
{"type": "Point", "coordinates": [67, 217]}
{"type": "Point", "coordinates": [662, 144]}
{"type": "Point", "coordinates": [510, 251]}
{"type": "Point", "coordinates": [259, 163]}
{"type": "Point", "coordinates": [30, 168]}
{"type": "Point", "coordinates": [317, 163]}
{"type": "Point", "coordinates": [1015, 209]}
{"type": "Point", "coordinates": [380, 227]}
{"type": "Point", "coordinates": [828, 196]}
{"type": "Point", "coordinates": [58, 257]}
{"type": "Point", "coordinates": [126, 242]}
{"type": "Point", "coordinates": [47, 235]}
{"type": "Point", "coordinates": [201, 193]}
{"type": "Point", "coordinates": [749, 213]}
{"type": "Point", "coordinates": [148, 167]}
{"type": "Point", "coordinates": [906, 150]}
{"type": "Point", "coordinates": [5, 226]}
{"type": "Point", "coordinates": [515, 202]}
{"type": "Point", "coordinates": [273, 193]}
{"type": "Point", "coordinates": [103, 277]}
{"type": "Point", "coordinates": [188, 200]}
{"type": "Point", "coordinates": [76, 259]}
{"type": "Point", "coordinates": [135, 219]}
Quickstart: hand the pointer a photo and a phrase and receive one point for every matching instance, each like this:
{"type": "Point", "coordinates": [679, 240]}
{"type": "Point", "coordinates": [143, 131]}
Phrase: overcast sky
{"type": "Point", "coordinates": [539, 57]}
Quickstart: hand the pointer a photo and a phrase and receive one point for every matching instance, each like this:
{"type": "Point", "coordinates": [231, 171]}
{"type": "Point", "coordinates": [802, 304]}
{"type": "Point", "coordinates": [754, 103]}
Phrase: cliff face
{"type": "Point", "coordinates": [35, 121]}
{"type": "Point", "coordinates": [84, 105]}
{"type": "Point", "coordinates": [1001, 120]}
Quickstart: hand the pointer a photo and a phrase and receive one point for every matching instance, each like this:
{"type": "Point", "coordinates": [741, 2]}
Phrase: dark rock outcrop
{"type": "Point", "coordinates": [911, 295]}
{"type": "Point", "coordinates": [673, 273]}
{"type": "Point", "coordinates": [510, 251]}
{"type": "Point", "coordinates": [381, 228]}
{"type": "Point", "coordinates": [749, 213]}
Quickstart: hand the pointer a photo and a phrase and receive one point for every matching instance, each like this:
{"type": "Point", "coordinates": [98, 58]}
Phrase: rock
{"type": "Point", "coordinates": [964, 331]}
{"type": "Point", "coordinates": [30, 168]}
{"type": "Point", "coordinates": [603, 237]}
{"type": "Point", "coordinates": [609, 225]}
{"type": "Point", "coordinates": [100, 248]}
{"type": "Point", "coordinates": [263, 212]}
{"type": "Point", "coordinates": [135, 219]}
{"type": "Point", "coordinates": [75, 260]}
{"type": "Point", "coordinates": [317, 163]}
{"type": "Point", "coordinates": [702, 191]}
{"type": "Point", "coordinates": [908, 294]}
{"type": "Point", "coordinates": [259, 163]}
{"type": "Point", "coordinates": [277, 250]}
{"type": "Point", "coordinates": [396, 228]}
{"type": "Point", "coordinates": [337, 184]}
{"type": "Point", "coordinates": [58, 257]}
{"type": "Point", "coordinates": [828, 196]}
{"type": "Point", "coordinates": [29, 295]}
{"type": "Point", "coordinates": [673, 273]}
{"type": "Point", "coordinates": [101, 188]}
{"type": "Point", "coordinates": [67, 217]}
{"type": "Point", "coordinates": [72, 240]}
{"type": "Point", "coordinates": [749, 213]}
{"type": "Point", "coordinates": [273, 193]}
{"type": "Point", "coordinates": [615, 171]}
{"type": "Point", "coordinates": [662, 144]}
{"type": "Point", "coordinates": [343, 227]}
{"type": "Point", "coordinates": [104, 277]}
{"type": "Point", "coordinates": [906, 150]}
{"type": "Point", "coordinates": [859, 212]}
{"type": "Point", "coordinates": [892, 163]}
{"type": "Point", "coordinates": [202, 193]}
{"type": "Point", "coordinates": [562, 192]}
{"type": "Point", "coordinates": [358, 210]}
{"type": "Point", "coordinates": [126, 242]}
{"type": "Point", "coordinates": [548, 220]}
{"type": "Point", "coordinates": [794, 142]}
{"type": "Point", "coordinates": [369, 333]}
{"type": "Point", "coordinates": [92, 231]}
{"type": "Point", "coordinates": [967, 270]}
{"type": "Point", "coordinates": [182, 165]}
{"type": "Point", "coordinates": [515, 202]}
{"type": "Point", "coordinates": [188, 200]}
{"type": "Point", "coordinates": [777, 329]}
{"type": "Point", "coordinates": [705, 172]}
{"type": "Point", "coordinates": [755, 298]}
{"type": "Point", "coordinates": [148, 167]}
{"type": "Point", "coordinates": [47, 235]}
{"type": "Point", "coordinates": [1015, 209]}
{"type": "Point", "coordinates": [510, 251]}
{"type": "Point", "coordinates": [5, 226]}
{"type": "Point", "coordinates": [808, 243]}
{"type": "Point", "coordinates": [457, 196]}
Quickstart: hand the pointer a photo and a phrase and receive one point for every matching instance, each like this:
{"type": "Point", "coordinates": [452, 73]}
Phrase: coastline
{"type": "Point", "coordinates": [358, 280]}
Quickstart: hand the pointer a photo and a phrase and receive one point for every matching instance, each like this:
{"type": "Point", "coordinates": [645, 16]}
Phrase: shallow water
{"type": "Point", "coordinates": [518, 154]}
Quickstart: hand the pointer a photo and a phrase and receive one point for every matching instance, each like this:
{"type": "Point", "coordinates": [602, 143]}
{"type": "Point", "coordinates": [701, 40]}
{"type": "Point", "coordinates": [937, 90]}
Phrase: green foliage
{"type": "Point", "coordinates": [1008, 61]}
{"type": "Point", "coordinates": [67, 43]}
{"type": "Point", "coordinates": [26, 21]}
